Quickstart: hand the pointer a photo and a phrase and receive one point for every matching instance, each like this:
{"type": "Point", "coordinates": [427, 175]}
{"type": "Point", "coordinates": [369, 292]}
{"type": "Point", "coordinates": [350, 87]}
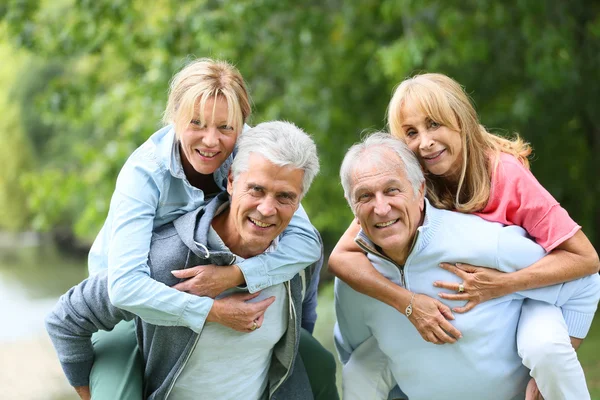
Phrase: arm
{"type": "Point", "coordinates": [430, 317]}
{"type": "Point", "coordinates": [299, 246]}
{"type": "Point", "coordinates": [129, 231]}
{"type": "Point", "coordinates": [309, 305]}
{"type": "Point", "coordinates": [519, 199]}
{"type": "Point", "coordinates": [83, 310]}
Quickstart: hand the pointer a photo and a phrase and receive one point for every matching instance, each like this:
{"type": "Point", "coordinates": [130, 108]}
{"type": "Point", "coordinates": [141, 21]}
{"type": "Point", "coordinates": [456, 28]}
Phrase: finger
{"type": "Point", "coordinates": [452, 268]}
{"type": "Point", "coordinates": [447, 285]}
{"type": "Point", "coordinates": [182, 286]}
{"type": "Point", "coordinates": [442, 336]}
{"type": "Point", "coordinates": [467, 307]}
{"type": "Point", "coordinates": [186, 273]}
{"type": "Point", "coordinates": [445, 310]}
{"type": "Point", "coordinates": [262, 305]}
{"type": "Point", "coordinates": [431, 337]}
{"type": "Point", "coordinates": [450, 329]}
{"type": "Point", "coordinates": [245, 296]}
{"type": "Point", "coordinates": [467, 267]}
{"type": "Point", "coordinates": [456, 296]}
{"type": "Point", "coordinates": [260, 319]}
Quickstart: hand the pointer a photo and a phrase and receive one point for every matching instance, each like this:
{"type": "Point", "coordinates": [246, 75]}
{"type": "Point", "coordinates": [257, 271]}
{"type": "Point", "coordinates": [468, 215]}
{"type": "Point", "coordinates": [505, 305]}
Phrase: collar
{"type": "Point", "coordinates": [431, 222]}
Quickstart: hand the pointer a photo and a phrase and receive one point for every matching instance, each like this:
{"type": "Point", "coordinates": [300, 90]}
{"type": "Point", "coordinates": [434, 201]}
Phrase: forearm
{"type": "Point", "coordinates": [299, 246]}
{"type": "Point", "coordinates": [83, 392]}
{"type": "Point", "coordinates": [576, 342]}
{"type": "Point", "coordinates": [358, 272]}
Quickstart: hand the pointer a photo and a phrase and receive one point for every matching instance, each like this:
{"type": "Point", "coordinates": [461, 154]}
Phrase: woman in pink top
{"type": "Point", "coordinates": [473, 171]}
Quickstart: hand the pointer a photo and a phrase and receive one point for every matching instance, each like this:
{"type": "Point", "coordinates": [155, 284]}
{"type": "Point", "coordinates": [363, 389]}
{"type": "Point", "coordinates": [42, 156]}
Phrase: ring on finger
{"type": "Point", "coordinates": [254, 326]}
{"type": "Point", "coordinates": [461, 288]}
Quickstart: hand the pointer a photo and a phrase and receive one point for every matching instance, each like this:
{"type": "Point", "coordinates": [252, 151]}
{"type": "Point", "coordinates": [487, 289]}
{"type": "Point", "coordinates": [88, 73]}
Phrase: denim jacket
{"type": "Point", "coordinates": [152, 191]}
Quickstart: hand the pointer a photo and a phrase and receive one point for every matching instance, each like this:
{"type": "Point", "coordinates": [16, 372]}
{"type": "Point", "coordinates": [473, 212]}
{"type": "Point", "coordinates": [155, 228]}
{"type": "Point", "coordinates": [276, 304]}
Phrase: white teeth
{"type": "Point", "coordinates": [261, 224]}
{"type": "Point", "coordinates": [206, 153]}
{"type": "Point", "coordinates": [384, 224]}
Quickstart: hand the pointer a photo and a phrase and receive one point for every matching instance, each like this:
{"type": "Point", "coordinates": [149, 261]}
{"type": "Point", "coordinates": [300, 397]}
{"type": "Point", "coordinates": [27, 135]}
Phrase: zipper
{"type": "Point", "coordinates": [289, 368]}
{"type": "Point", "coordinates": [371, 250]}
{"type": "Point", "coordinates": [182, 366]}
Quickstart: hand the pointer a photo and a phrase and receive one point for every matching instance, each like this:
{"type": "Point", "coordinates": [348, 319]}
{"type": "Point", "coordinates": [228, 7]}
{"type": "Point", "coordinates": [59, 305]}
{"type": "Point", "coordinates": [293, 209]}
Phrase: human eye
{"type": "Point", "coordinates": [363, 197]}
{"type": "Point", "coordinates": [392, 190]}
{"type": "Point", "coordinates": [433, 124]}
{"type": "Point", "coordinates": [197, 123]}
{"type": "Point", "coordinates": [285, 198]}
{"type": "Point", "coordinates": [226, 128]}
{"type": "Point", "coordinates": [411, 133]}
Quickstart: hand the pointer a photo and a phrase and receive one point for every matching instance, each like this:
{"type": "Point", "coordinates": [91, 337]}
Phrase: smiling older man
{"type": "Point", "coordinates": [405, 238]}
{"type": "Point", "coordinates": [248, 346]}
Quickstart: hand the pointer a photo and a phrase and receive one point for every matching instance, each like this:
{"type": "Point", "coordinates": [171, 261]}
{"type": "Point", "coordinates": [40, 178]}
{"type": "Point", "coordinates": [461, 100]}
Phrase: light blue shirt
{"type": "Point", "coordinates": [484, 363]}
{"type": "Point", "coordinates": [151, 191]}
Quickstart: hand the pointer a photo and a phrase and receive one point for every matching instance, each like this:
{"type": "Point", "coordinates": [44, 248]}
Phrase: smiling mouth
{"type": "Point", "coordinates": [207, 154]}
{"type": "Point", "coordinates": [434, 156]}
{"type": "Point", "coordinates": [386, 224]}
{"type": "Point", "coordinates": [259, 223]}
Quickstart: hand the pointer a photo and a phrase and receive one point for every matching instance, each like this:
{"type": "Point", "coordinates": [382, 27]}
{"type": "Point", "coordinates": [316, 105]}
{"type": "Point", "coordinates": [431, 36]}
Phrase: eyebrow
{"type": "Point", "coordinates": [390, 181]}
{"type": "Point", "coordinates": [291, 195]}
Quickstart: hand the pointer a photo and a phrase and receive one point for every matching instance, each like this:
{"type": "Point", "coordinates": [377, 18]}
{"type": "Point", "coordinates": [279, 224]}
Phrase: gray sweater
{"type": "Point", "coordinates": [86, 308]}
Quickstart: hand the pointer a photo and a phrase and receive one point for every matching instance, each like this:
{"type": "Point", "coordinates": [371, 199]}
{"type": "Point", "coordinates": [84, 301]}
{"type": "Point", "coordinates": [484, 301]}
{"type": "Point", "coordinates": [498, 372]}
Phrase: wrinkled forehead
{"type": "Point", "coordinates": [271, 176]}
{"type": "Point", "coordinates": [376, 167]}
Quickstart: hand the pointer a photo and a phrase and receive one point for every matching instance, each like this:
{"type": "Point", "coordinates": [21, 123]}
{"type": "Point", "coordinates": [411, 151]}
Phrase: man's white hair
{"type": "Point", "coordinates": [372, 149]}
{"type": "Point", "coordinates": [281, 143]}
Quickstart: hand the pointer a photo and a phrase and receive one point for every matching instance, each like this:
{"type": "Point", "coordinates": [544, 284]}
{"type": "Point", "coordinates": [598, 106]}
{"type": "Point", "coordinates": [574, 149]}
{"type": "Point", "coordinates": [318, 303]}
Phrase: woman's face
{"type": "Point", "coordinates": [205, 148]}
{"type": "Point", "coordinates": [438, 147]}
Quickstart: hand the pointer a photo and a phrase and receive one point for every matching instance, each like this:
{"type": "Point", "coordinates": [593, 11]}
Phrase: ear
{"type": "Point", "coordinates": [230, 182]}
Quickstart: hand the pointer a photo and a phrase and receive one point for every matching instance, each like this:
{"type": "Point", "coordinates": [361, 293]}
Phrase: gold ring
{"type": "Point", "coordinates": [254, 326]}
{"type": "Point", "coordinates": [461, 288]}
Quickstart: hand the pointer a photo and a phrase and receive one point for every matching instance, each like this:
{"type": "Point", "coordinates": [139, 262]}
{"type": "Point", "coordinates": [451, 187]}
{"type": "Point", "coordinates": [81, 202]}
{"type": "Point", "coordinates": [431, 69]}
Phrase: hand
{"type": "Point", "coordinates": [208, 280]}
{"type": "Point", "coordinates": [83, 392]}
{"type": "Point", "coordinates": [532, 392]}
{"type": "Point", "coordinates": [237, 313]}
{"type": "Point", "coordinates": [480, 285]}
{"type": "Point", "coordinates": [430, 317]}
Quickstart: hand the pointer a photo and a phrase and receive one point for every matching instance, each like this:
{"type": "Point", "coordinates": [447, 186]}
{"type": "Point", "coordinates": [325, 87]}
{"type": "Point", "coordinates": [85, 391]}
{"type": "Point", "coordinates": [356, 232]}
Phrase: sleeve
{"type": "Point", "coordinates": [519, 199]}
{"type": "Point", "coordinates": [578, 299]}
{"type": "Point", "coordinates": [130, 285]}
{"type": "Point", "coordinates": [309, 305]}
{"type": "Point", "coordinates": [83, 310]}
{"type": "Point", "coordinates": [299, 247]}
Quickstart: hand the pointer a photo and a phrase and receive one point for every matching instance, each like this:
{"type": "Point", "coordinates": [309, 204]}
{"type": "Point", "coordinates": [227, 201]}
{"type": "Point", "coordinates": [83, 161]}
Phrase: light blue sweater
{"type": "Point", "coordinates": [484, 363]}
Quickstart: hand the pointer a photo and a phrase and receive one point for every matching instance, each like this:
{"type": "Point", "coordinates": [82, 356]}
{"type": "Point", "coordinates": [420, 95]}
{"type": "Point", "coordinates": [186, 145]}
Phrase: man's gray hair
{"type": "Point", "coordinates": [281, 143]}
{"type": "Point", "coordinates": [372, 149]}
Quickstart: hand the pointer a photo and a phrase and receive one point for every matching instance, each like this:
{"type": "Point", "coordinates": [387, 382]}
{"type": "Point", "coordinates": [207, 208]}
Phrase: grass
{"type": "Point", "coordinates": [589, 351]}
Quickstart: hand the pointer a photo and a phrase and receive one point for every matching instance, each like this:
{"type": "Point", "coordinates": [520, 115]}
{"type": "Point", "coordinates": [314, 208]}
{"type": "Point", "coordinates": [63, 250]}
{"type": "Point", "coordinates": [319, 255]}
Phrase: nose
{"type": "Point", "coordinates": [382, 206]}
{"type": "Point", "coordinates": [266, 207]}
{"type": "Point", "coordinates": [427, 141]}
{"type": "Point", "coordinates": [210, 138]}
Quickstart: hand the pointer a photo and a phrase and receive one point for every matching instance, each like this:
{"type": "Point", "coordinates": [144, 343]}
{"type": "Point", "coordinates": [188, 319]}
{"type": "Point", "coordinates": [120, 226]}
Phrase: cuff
{"type": "Point", "coordinates": [195, 313]}
{"type": "Point", "coordinates": [255, 274]}
{"type": "Point", "coordinates": [578, 323]}
{"type": "Point", "coordinates": [78, 373]}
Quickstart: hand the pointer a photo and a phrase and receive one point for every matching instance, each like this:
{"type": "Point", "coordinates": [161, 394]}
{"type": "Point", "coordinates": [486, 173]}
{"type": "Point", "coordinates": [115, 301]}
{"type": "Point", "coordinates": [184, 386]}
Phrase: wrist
{"type": "Point", "coordinates": [403, 299]}
{"type": "Point", "coordinates": [236, 277]}
{"type": "Point", "coordinates": [213, 313]}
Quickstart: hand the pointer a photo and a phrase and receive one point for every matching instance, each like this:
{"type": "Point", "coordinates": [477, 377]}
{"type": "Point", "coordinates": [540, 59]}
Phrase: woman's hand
{"type": "Point", "coordinates": [237, 313]}
{"type": "Point", "coordinates": [208, 280]}
{"type": "Point", "coordinates": [479, 285]}
{"type": "Point", "coordinates": [430, 317]}
{"type": "Point", "coordinates": [532, 392]}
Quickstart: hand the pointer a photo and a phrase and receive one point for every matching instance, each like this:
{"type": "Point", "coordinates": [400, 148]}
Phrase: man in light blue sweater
{"type": "Point", "coordinates": [406, 238]}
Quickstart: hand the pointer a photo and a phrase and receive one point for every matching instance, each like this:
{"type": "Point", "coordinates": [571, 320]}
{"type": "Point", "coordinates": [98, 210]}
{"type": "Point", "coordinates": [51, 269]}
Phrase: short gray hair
{"type": "Point", "coordinates": [373, 147]}
{"type": "Point", "coordinates": [281, 143]}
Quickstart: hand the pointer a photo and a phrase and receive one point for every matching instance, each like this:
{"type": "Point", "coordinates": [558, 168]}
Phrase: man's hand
{"type": "Point", "coordinates": [237, 313]}
{"type": "Point", "coordinates": [83, 392]}
{"type": "Point", "coordinates": [532, 392]}
{"type": "Point", "coordinates": [430, 317]}
{"type": "Point", "coordinates": [480, 285]}
{"type": "Point", "coordinates": [208, 280]}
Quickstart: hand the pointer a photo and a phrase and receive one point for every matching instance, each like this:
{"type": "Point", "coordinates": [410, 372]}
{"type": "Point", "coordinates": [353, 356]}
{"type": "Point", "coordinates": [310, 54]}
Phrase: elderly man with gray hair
{"type": "Point", "coordinates": [406, 238]}
{"type": "Point", "coordinates": [249, 345]}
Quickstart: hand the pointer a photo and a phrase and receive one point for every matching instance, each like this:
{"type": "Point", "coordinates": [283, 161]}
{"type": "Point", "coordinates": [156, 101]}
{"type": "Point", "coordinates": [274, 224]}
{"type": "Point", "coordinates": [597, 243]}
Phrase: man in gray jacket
{"type": "Point", "coordinates": [252, 355]}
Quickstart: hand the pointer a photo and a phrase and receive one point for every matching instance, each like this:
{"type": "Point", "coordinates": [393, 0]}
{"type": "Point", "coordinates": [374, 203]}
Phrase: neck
{"type": "Point", "coordinates": [399, 256]}
{"type": "Point", "coordinates": [225, 228]}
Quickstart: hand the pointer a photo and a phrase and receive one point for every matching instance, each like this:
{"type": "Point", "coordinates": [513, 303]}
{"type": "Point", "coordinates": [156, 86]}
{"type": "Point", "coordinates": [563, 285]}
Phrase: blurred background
{"type": "Point", "coordinates": [84, 82]}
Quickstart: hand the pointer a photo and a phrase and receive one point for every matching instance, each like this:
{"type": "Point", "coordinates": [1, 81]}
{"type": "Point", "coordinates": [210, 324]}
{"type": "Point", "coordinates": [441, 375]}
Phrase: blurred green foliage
{"type": "Point", "coordinates": [87, 83]}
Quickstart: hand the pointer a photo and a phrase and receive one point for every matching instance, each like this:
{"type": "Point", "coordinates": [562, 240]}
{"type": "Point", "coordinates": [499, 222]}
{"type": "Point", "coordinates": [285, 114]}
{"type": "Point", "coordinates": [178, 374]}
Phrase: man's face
{"type": "Point", "coordinates": [385, 204]}
{"type": "Point", "coordinates": [263, 201]}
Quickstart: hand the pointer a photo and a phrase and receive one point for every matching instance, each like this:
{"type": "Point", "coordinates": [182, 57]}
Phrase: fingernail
{"type": "Point", "coordinates": [458, 264]}
{"type": "Point", "coordinates": [436, 284]}
{"type": "Point", "coordinates": [440, 265]}
{"type": "Point", "coordinates": [173, 272]}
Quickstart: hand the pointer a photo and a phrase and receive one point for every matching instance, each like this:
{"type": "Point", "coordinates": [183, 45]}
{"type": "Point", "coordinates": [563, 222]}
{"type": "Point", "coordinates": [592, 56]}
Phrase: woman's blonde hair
{"type": "Point", "coordinates": [199, 81]}
{"type": "Point", "coordinates": [445, 101]}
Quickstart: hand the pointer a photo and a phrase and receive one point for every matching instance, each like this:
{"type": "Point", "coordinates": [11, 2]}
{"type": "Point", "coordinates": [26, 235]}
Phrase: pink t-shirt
{"type": "Point", "coordinates": [517, 198]}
